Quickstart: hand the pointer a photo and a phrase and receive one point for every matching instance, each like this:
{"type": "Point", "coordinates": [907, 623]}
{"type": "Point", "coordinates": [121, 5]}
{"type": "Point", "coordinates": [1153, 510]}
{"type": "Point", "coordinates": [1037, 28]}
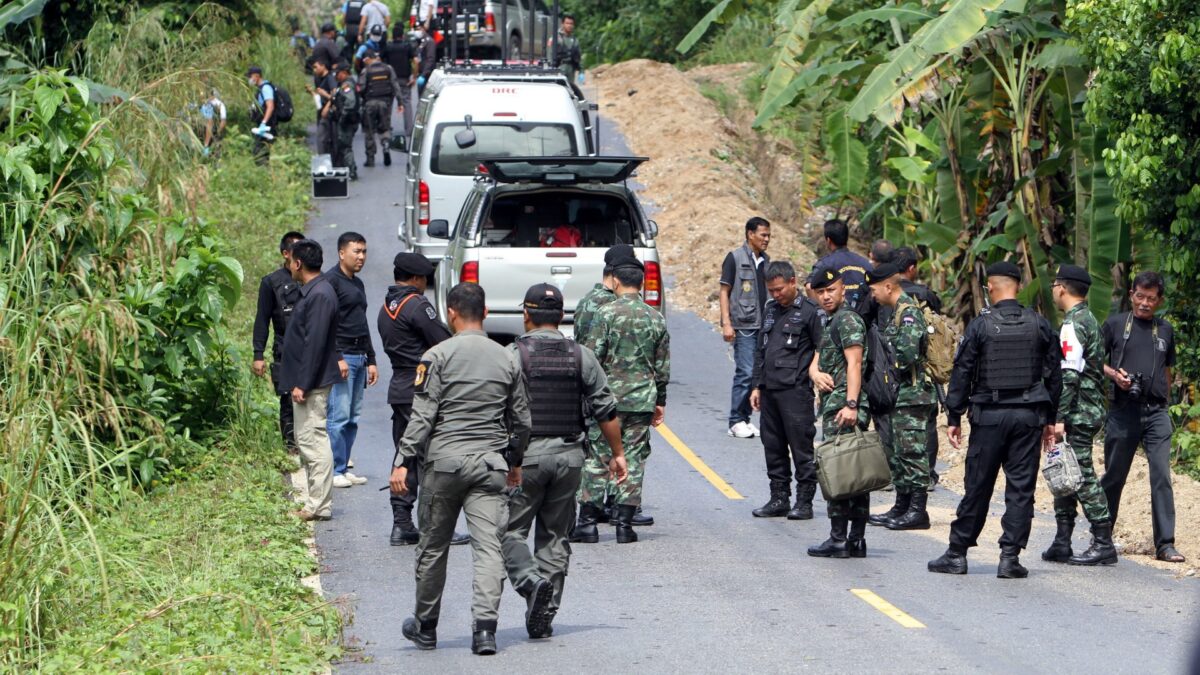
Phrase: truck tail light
{"type": "Point", "coordinates": [469, 273]}
{"type": "Point", "coordinates": [423, 203]}
{"type": "Point", "coordinates": [489, 22]}
{"type": "Point", "coordinates": [412, 21]}
{"type": "Point", "coordinates": [652, 285]}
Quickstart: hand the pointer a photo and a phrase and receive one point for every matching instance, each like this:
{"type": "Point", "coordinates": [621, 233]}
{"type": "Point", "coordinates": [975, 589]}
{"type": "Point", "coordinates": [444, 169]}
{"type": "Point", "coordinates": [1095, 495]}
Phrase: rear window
{"type": "Point", "coordinates": [552, 219]}
{"type": "Point", "coordinates": [499, 139]}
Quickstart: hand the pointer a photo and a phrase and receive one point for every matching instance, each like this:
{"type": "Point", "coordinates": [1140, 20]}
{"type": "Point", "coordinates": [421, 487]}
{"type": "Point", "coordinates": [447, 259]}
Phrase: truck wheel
{"type": "Point", "coordinates": [514, 47]}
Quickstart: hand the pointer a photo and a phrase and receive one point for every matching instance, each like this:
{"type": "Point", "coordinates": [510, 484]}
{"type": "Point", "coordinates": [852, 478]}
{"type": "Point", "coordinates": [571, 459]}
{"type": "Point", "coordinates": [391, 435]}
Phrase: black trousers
{"type": "Point", "coordinates": [1149, 426]}
{"type": "Point", "coordinates": [788, 422]}
{"type": "Point", "coordinates": [1008, 438]}
{"type": "Point", "coordinates": [287, 424]}
{"type": "Point", "coordinates": [402, 505]}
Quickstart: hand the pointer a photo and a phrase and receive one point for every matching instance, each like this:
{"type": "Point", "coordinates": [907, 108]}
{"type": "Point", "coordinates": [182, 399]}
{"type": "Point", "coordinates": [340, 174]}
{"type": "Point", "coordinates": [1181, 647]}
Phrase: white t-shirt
{"type": "Point", "coordinates": [426, 9]}
{"type": "Point", "coordinates": [376, 13]}
{"type": "Point", "coordinates": [213, 107]}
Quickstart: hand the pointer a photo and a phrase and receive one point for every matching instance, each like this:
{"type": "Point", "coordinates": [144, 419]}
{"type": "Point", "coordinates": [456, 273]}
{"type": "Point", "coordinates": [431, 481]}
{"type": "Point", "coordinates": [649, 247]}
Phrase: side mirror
{"type": "Point", "coordinates": [439, 229]}
{"type": "Point", "coordinates": [653, 229]}
{"type": "Point", "coordinates": [465, 138]}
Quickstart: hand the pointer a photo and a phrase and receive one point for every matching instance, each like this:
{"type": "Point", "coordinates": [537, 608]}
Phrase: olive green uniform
{"type": "Point", "coordinates": [1081, 408]}
{"type": "Point", "coordinates": [845, 329]}
{"type": "Point", "coordinates": [915, 402]}
{"type": "Point", "coordinates": [549, 480]}
{"type": "Point", "coordinates": [470, 398]}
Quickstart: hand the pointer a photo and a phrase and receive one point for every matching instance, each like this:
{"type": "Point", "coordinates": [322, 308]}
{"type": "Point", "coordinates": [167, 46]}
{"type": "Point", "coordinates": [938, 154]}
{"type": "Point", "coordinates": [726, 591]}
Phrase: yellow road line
{"type": "Point", "coordinates": [697, 463]}
{"type": "Point", "coordinates": [890, 610]}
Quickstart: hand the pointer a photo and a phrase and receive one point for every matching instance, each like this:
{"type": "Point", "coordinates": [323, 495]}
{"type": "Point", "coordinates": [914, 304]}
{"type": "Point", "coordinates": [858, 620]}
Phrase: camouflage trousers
{"type": "Point", "coordinates": [853, 508]}
{"type": "Point", "coordinates": [909, 458]}
{"type": "Point", "coordinates": [596, 484]}
{"type": "Point", "coordinates": [345, 148]}
{"type": "Point", "coordinates": [1090, 495]}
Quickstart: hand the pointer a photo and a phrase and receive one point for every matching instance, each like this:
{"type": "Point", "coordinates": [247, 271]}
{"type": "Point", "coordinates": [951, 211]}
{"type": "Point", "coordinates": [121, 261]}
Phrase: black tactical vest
{"type": "Point", "coordinates": [554, 372]}
{"type": "Point", "coordinates": [287, 294]}
{"type": "Point", "coordinates": [1011, 362]}
{"type": "Point", "coordinates": [378, 82]}
{"type": "Point", "coordinates": [353, 16]}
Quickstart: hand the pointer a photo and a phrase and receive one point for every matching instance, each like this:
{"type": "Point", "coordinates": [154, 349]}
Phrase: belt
{"type": "Point", "coordinates": [354, 346]}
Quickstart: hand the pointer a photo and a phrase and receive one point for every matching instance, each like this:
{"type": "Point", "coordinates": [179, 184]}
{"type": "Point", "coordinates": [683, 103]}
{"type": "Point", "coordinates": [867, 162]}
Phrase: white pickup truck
{"type": "Point", "coordinates": [531, 220]}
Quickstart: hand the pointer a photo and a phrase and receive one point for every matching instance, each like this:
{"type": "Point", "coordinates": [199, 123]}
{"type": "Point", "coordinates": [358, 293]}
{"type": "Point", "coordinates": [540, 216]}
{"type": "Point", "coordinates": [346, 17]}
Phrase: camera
{"type": "Point", "coordinates": [1138, 384]}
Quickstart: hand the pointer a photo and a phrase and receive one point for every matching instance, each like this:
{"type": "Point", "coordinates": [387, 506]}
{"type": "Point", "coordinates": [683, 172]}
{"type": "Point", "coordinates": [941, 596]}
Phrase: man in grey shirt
{"type": "Point", "coordinates": [470, 423]}
{"type": "Point", "coordinates": [564, 379]}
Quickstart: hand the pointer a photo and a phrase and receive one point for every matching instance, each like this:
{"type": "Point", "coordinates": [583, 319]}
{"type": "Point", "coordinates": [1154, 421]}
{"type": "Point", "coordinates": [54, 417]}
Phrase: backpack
{"type": "Point", "coordinates": [283, 104]}
{"type": "Point", "coordinates": [881, 378]}
{"type": "Point", "coordinates": [940, 346]}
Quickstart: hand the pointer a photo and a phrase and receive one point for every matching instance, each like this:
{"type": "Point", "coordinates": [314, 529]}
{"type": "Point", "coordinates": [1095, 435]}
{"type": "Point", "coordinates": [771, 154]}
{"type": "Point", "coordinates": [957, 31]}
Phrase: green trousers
{"type": "Point", "coordinates": [345, 147]}
{"type": "Point", "coordinates": [473, 484]}
{"type": "Point", "coordinates": [1090, 495]}
{"type": "Point", "coordinates": [635, 436]}
{"type": "Point", "coordinates": [545, 503]}
{"type": "Point", "coordinates": [909, 459]}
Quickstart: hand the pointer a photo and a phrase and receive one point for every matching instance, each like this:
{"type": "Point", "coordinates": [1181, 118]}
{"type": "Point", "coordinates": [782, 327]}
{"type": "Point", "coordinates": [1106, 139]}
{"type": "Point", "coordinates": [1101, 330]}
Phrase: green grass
{"type": "Point", "coordinates": [747, 38]}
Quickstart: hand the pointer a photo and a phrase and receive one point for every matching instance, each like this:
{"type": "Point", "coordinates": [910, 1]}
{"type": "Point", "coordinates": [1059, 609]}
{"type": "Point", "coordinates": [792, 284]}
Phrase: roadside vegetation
{"type": "Point", "coordinates": [143, 513]}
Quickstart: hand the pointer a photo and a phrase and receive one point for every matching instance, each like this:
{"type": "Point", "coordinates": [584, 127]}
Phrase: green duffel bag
{"type": "Point", "coordinates": [852, 463]}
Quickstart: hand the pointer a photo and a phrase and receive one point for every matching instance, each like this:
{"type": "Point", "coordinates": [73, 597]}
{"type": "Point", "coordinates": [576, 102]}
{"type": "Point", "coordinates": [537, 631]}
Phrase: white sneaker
{"type": "Point", "coordinates": [349, 464]}
{"type": "Point", "coordinates": [742, 430]}
{"type": "Point", "coordinates": [357, 480]}
{"type": "Point", "coordinates": [753, 429]}
{"type": "Point", "coordinates": [340, 481]}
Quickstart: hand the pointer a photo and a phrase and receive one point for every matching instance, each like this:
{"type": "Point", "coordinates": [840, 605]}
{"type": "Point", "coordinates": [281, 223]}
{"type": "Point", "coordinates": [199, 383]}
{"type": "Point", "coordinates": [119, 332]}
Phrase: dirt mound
{"type": "Point", "coordinates": [698, 180]}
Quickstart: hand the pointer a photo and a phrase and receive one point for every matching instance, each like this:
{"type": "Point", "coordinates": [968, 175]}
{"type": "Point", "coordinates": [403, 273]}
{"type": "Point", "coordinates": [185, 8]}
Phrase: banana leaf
{"type": "Point", "coordinates": [721, 12]}
{"type": "Point", "coordinates": [788, 49]}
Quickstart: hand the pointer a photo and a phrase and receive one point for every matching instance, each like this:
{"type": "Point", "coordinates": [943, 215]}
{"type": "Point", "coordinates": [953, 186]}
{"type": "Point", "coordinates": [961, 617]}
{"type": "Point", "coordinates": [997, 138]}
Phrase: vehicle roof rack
{"type": "Point", "coordinates": [499, 71]}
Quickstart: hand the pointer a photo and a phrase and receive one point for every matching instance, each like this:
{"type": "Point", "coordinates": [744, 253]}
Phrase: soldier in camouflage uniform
{"type": "Point", "coordinates": [905, 331]}
{"type": "Point", "coordinates": [843, 342]}
{"type": "Point", "coordinates": [631, 342]}
{"type": "Point", "coordinates": [1080, 414]}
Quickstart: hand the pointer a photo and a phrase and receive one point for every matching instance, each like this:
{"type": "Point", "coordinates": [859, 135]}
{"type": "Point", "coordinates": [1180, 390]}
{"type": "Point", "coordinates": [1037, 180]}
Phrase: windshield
{"type": "Point", "coordinates": [499, 139]}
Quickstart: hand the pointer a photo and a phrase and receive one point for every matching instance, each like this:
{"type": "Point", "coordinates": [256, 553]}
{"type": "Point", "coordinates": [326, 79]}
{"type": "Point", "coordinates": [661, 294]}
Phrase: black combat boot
{"type": "Point", "coordinates": [898, 509]}
{"type": "Point", "coordinates": [624, 523]}
{"type": "Point", "coordinates": [387, 158]}
{"type": "Point", "coordinates": [916, 517]}
{"type": "Point", "coordinates": [642, 520]}
{"type": "Point", "coordinates": [423, 634]}
{"type": "Point", "coordinates": [1101, 552]}
{"type": "Point", "coordinates": [404, 534]}
{"type": "Point", "coordinates": [538, 593]}
{"type": "Point", "coordinates": [1060, 550]}
{"type": "Point", "coordinates": [803, 508]}
{"type": "Point", "coordinates": [951, 562]}
{"type": "Point", "coordinates": [609, 513]}
{"type": "Point", "coordinates": [483, 641]}
{"type": "Point", "coordinates": [585, 529]}
{"type": "Point", "coordinates": [1010, 566]}
{"type": "Point", "coordinates": [370, 163]}
{"type": "Point", "coordinates": [777, 505]}
{"type": "Point", "coordinates": [856, 543]}
{"type": "Point", "coordinates": [835, 545]}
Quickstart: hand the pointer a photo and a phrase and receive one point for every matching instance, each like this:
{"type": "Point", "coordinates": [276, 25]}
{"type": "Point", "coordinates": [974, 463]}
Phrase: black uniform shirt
{"type": "Point", "coordinates": [399, 55]}
{"type": "Point", "coordinates": [1142, 354]}
{"type": "Point", "coordinates": [966, 361]}
{"type": "Point", "coordinates": [309, 355]}
{"type": "Point", "coordinates": [789, 337]}
{"type": "Point", "coordinates": [271, 311]}
{"type": "Point", "coordinates": [853, 268]}
{"type": "Point", "coordinates": [326, 51]}
{"type": "Point", "coordinates": [353, 332]}
{"type": "Point", "coordinates": [408, 327]}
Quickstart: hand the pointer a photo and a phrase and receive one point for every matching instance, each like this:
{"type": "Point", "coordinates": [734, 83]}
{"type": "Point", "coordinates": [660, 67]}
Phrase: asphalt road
{"type": "Point", "coordinates": [710, 588]}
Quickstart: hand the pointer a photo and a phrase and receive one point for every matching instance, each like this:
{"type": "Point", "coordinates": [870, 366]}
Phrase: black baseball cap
{"type": "Point", "coordinates": [823, 277]}
{"type": "Point", "coordinates": [253, 70]}
{"type": "Point", "coordinates": [371, 54]}
{"type": "Point", "coordinates": [412, 264]}
{"type": "Point", "coordinates": [1074, 273]}
{"type": "Point", "coordinates": [543, 296]}
{"type": "Point", "coordinates": [377, 29]}
{"type": "Point", "coordinates": [882, 272]}
{"type": "Point", "coordinates": [328, 28]}
{"type": "Point", "coordinates": [1004, 269]}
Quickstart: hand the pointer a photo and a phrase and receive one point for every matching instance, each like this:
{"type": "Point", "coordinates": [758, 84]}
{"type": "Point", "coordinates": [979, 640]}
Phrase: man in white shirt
{"type": "Point", "coordinates": [425, 11]}
{"type": "Point", "coordinates": [213, 111]}
{"type": "Point", "coordinates": [374, 13]}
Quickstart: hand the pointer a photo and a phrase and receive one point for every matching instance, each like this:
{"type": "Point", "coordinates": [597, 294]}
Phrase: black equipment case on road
{"type": "Point", "coordinates": [328, 181]}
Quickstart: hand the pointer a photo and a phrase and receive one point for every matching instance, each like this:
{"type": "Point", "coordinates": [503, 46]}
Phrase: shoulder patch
{"type": "Point", "coordinates": [422, 376]}
{"type": "Point", "coordinates": [431, 312]}
{"type": "Point", "coordinates": [908, 320]}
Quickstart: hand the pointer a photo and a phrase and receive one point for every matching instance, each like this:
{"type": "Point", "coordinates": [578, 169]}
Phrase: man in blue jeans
{"type": "Point", "coordinates": [356, 356]}
{"type": "Point", "coordinates": [743, 293]}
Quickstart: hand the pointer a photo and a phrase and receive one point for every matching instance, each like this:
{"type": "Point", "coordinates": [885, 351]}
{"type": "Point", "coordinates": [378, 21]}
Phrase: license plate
{"type": "Point", "coordinates": [462, 26]}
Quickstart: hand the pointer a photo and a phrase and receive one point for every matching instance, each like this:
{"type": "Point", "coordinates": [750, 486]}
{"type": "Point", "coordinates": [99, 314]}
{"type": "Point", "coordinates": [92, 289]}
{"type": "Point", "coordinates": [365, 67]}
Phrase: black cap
{"type": "Point", "coordinates": [823, 277]}
{"type": "Point", "coordinates": [253, 70]}
{"type": "Point", "coordinates": [371, 54]}
{"type": "Point", "coordinates": [413, 264]}
{"type": "Point", "coordinates": [341, 65]}
{"type": "Point", "coordinates": [626, 261]}
{"type": "Point", "coordinates": [1074, 273]}
{"type": "Point", "coordinates": [328, 28]}
{"type": "Point", "coordinates": [1004, 269]}
{"type": "Point", "coordinates": [377, 29]}
{"type": "Point", "coordinates": [882, 272]}
{"type": "Point", "coordinates": [543, 296]}
{"type": "Point", "coordinates": [618, 251]}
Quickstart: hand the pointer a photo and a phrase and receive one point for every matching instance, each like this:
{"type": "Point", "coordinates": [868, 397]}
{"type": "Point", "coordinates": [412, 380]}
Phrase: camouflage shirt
{"type": "Point", "coordinates": [1082, 401]}
{"type": "Point", "coordinates": [630, 339]}
{"type": "Point", "coordinates": [585, 311]}
{"type": "Point", "coordinates": [906, 332]}
{"type": "Point", "coordinates": [845, 329]}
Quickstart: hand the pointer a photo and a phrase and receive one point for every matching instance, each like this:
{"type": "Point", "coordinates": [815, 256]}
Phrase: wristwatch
{"type": "Point", "coordinates": [853, 405]}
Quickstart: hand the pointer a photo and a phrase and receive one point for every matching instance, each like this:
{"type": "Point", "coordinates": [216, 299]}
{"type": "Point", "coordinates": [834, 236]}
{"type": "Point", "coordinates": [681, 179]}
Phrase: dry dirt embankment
{"type": "Point", "coordinates": [708, 173]}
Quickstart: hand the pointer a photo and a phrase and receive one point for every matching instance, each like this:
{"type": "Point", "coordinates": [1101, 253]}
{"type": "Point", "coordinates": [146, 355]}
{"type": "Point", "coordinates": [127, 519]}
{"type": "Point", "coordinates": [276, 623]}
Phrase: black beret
{"type": "Point", "coordinates": [543, 296]}
{"type": "Point", "coordinates": [882, 272]}
{"type": "Point", "coordinates": [1004, 269]}
{"type": "Point", "coordinates": [618, 251]}
{"type": "Point", "coordinates": [628, 260]}
{"type": "Point", "coordinates": [414, 264]}
{"type": "Point", "coordinates": [1074, 273]}
{"type": "Point", "coordinates": [371, 54]}
{"type": "Point", "coordinates": [823, 277]}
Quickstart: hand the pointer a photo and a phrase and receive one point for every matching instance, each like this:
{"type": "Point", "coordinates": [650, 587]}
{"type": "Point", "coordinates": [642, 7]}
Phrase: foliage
{"type": "Point", "coordinates": [615, 30]}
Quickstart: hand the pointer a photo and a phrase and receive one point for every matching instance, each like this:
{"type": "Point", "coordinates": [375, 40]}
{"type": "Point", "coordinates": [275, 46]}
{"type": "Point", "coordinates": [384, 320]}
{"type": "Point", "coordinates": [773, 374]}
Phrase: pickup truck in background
{"type": "Point", "coordinates": [489, 25]}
